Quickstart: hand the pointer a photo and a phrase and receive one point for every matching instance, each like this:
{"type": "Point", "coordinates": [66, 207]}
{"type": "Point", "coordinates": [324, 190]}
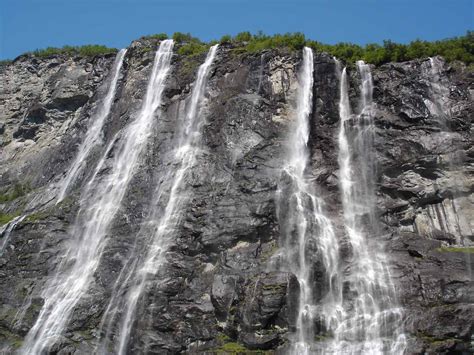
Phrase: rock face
{"type": "Point", "coordinates": [219, 290]}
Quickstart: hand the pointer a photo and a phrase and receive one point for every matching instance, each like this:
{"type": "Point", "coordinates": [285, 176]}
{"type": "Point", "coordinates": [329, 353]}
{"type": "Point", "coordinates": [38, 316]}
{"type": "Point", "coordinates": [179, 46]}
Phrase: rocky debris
{"type": "Point", "coordinates": [221, 289]}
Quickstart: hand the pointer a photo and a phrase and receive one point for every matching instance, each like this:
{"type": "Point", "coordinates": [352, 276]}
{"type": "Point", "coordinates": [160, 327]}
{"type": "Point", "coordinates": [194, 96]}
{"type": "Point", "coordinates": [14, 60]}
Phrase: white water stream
{"type": "Point", "coordinates": [99, 204]}
{"type": "Point", "coordinates": [94, 133]}
{"type": "Point", "coordinates": [162, 222]}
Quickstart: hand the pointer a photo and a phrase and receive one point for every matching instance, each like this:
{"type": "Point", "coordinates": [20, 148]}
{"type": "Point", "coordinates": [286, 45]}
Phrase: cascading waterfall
{"type": "Point", "coordinates": [439, 93]}
{"type": "Point", "coordinates": [94, 133]}
{"type": "Point", "coordinates": [6, 230]}
{"type": "Point", "coordinates": [99, 204]}
{"type": "Point", "coordinates": [440, 108]}
{"type": "Point", "coordinates": [372, 320]}
{"type": "Point", "coordinates": [306, 233]}
{"type": "Point", "coordinates": [162, 222]}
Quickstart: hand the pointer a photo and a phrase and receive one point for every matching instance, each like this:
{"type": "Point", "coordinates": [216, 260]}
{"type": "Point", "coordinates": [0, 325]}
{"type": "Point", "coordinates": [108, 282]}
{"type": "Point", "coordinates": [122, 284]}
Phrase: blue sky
{"type": "Point", "coordinates": [29, 24]}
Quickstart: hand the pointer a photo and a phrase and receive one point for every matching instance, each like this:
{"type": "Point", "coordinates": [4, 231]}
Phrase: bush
{"type": "Point", "coordinates": [457, 48]}
{"type": "Point", "coordinates": [158, 36]}
{"type": "Point", "coordinates": [243, 37]}
{"type": "Point", "coordinates": [192, 48]}
{"type": "Point", "coordinates": [294, 41]}
{"type": "Point", "coordinates": [180, 37]}
{"type": "Point", "coordinates": [6, 217]}
{"type": "Point", "coordinates": [86, 51]}
{"type": "Point", "coordinates": [225, 39]}
{"type": "Point", "coordinates": [18, 190]}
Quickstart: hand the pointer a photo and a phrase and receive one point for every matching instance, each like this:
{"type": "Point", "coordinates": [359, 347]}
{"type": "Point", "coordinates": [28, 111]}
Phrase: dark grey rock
{"type": "Point", "coordinates": [220, 280]}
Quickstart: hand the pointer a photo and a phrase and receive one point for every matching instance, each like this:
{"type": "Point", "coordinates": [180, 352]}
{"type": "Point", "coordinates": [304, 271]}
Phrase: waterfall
{"type": "Point", "coordinates": [162, 221]}
{"type": "Point", "coordinates": [93, 135]}
{"type": "Point", "coordinates": [6, 230]}
{"type": "Point", "coordinates": [372, 321]}
{"type": "Point", "coordinates": [439, 92]}
{"type": "Point", "coordinates": [307, 233]}
{"type": "Point", "coordinates": [99, 204]}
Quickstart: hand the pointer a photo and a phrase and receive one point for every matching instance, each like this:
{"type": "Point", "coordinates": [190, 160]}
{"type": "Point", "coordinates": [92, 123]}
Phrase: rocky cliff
{"type": "Point", "coordinates": [219, 290]}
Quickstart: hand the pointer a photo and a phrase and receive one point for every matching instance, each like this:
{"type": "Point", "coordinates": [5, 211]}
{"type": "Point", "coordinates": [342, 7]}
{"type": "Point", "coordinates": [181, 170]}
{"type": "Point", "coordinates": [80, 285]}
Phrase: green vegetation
{"type": "Point", "coordinates": [158, 36]}
{"type": "Point", "coordinates": [225, 39]}
{"type": "Point", "coordinates": [469, 250]}
{"type": "Point", "coordinates": [292, 41]}
{"type": "Point", "coordinates": [5, 62]}
{"type": "Point", "coordinates": [192, 49]}
{"type": "Point", "coordinates": [12, 194]}
{"type": "Point", "coordinates": [457, 48]}
{"type": "Point", "coordinates": [38, 216]}
{"type": "Point", "coordinates": [14, 340]}
{"type": "Point", "coordinates": [85, 51]}
{"type": "Point", "coordinates": [7, 217]}
{"type": "Point", "coordinates": [189, 45]}
{"type": "Point", "coordinates": [228, 346]}
{"type": "Point", "coordinates": [180, 37]}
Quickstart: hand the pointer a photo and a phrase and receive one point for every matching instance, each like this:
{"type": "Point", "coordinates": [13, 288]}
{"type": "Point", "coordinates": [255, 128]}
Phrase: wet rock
{"type": "Point", "coordinates": [221, 274]}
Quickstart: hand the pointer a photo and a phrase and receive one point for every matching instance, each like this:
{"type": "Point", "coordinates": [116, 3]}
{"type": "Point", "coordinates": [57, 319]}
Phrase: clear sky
{"type": "Point", "coordinates": [29, 24]}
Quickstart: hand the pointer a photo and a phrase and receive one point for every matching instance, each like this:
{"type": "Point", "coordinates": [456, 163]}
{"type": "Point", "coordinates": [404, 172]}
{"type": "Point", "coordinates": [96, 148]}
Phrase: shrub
{"type": "Point", "coordinates": [225, 39]}
{"type": "Point", "coordinates": [180, 37]}
{"type": "Point", "coordinates": [6, 217]}
{"type": "Point", "coordinates": [17, 191]}
{"type": "Point", "coordinates": [243, 37]}
{"type": "Point", "coordinates": [457, 48]}
{"type": "Point", "coordinates": [192, 48]}
{"type": "Point", "coordinates": [86, 51]}
{"type": "Point", "coordinates": [158, 36]}
{"type": "Point", "coordinates": [260, 41]}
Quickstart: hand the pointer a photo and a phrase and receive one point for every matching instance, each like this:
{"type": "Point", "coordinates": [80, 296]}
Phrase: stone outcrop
{"type": "Point", "coordinates": [221, 288]}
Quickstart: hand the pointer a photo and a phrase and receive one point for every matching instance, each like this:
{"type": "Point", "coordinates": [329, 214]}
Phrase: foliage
{"type": "Point", "coordinates": [192, 48]}
{"type": "Point", "coordinates": [38, 216]}
{"type": "Point", "coordinates": [180, 37]}
{"type": "Point", "coordinates": [243, 37]}
{"type": "Point", "coordinates": [457, 48]}
{"type": "Point", "coordinates": [12, 194]}
{"type": "Point", "coordinates": [468, 250]}
{"type": "Point", "coordinates": [227, 346]}
{"type": "Point", "coordinates": [158, 36]}
{"type": "Point", "coordinates": [226, 39]}
{"type": "Point", "coordinates": [5, 62]}
{"type": "Point", "coordinates": [6, 217]}
{"type": "Point", "coordinates": [85, 51]}
{"type": "Point", "coordinates": [293, 41]}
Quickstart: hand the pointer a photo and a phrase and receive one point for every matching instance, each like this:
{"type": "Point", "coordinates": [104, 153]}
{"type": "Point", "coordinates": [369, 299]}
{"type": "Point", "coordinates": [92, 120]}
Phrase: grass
{"type": "Point", "coordinates": [469, 250]}
{"type": "Point", "coordinates": [7, 217]}
{"type": "Point", "coordinates": [459, 48]}
{"type": "Point", "coordinates": [38, 216]}
{"type": "Point", "coordinates": [158, 36]}
{"type": "Point", "coordinates": [84, 51]}
{"type": "Point", "coordinates": [17, 191]}
{"type": "Point", "coordinates": [228, 346]}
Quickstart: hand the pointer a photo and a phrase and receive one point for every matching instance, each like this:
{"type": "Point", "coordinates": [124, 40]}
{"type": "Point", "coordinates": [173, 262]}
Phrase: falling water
{"type": "Point", "coordinates": [99, 204]}
{"type": "Point", "coordinates": [162, 223]}
{"type": "Point", "coordinates": [372, 320]}
{"type": "Point", "coordinates": [306, 233]}
{"type": "Point", "coordinates": [93, 135]}
{"type": "Point", "coordinates": [438, 105]}
{"type": "Point", "coordinates": [6, 230]}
